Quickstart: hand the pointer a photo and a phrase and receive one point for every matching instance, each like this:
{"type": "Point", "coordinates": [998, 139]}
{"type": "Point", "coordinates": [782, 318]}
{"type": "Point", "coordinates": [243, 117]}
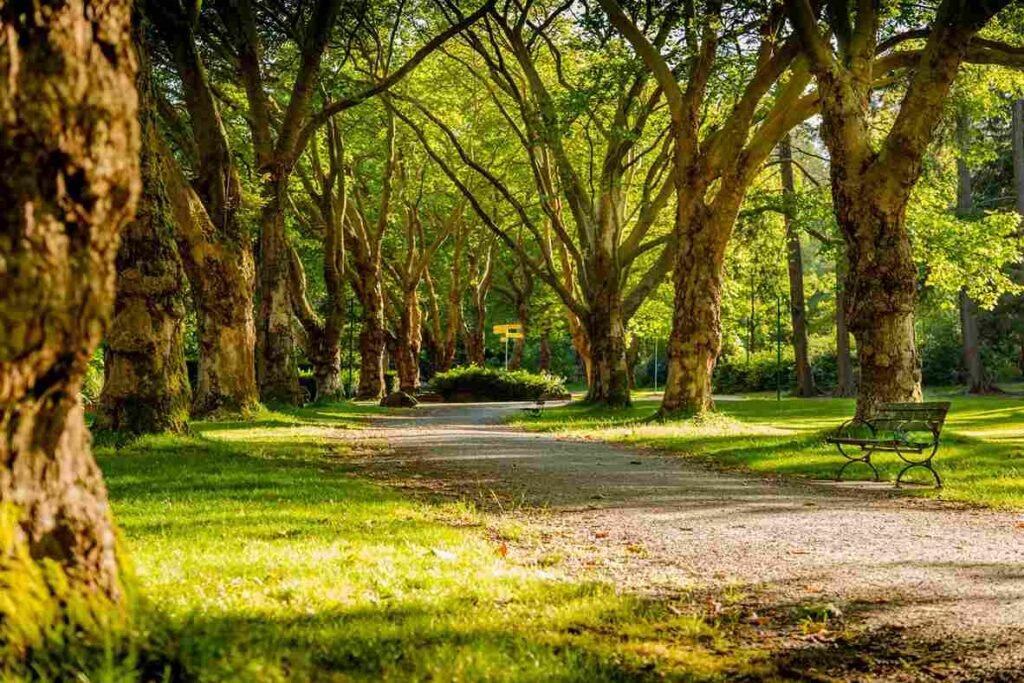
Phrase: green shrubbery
{"type": "Point", "coordinates": [473, 383]}
{"type": "Point", "coordinates": [734, 374]}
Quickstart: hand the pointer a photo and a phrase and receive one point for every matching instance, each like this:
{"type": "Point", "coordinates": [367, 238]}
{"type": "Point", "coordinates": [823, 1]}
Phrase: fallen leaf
{"type": "Point", "coordinates": [600, 534]}
{"type": "Point", "coordinates": [503, 549]}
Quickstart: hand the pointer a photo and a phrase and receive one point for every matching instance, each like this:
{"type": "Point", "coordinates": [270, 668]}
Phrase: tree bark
{"type": "Point", "coordinates": [544, 355]}
{"type": "Point", "coordinates": [696, 336]}
{"type": "Point", "coordinates": [277, 369]}
{"type": "Point", "coordinates": [69, 141]}
{"type": "Point", "coordinates": [847, 383]}
{"type": "Point", "coordinates": [146, 389]}
{"type": "Point", "coordinates": [372, 336]}
{"type": "Point", "coordinates": [215, 248]}
{"type": "Point", "coordinates": [608, 381]}
{"type": "Point", "coordinates": [794, 260]}
{"type": "Point", "coordinates": [410, 338]}
{"type": "Point", "coordinates": [481, 278]}
{"type": "Point", "coordinates": [881, 287]}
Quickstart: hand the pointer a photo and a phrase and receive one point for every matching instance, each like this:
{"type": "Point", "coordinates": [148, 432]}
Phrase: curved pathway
{"type": "Point", "coordinates": [657, 523]}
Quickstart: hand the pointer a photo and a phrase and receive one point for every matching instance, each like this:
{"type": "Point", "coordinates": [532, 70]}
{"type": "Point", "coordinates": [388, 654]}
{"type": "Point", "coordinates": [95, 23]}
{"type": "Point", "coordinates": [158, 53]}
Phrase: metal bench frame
{"type": "Point", "coordinates": [892, 427]}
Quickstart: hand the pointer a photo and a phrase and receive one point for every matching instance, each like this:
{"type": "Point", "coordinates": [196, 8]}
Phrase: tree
{"type": "Point", "coordinates": [794, 262]}
{"type": "Point", "coordinates": [70, 142]}
{"type": "Point", "coordinates": [872, 183]}
{"type": "Point", "coordinates": [598, 205]}
{"type": "Point", "coordinates": [714, 164]}
{"type": "Point", "coordinates": [145, 387]}
{"type": "Point", "coordinates": [215, 248]}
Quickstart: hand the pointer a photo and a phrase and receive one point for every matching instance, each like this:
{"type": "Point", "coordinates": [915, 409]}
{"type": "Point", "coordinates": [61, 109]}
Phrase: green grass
{"type": "Point", "coordinates": [981, 457]}
{"type": "Point", "coordinates": [262, 555]}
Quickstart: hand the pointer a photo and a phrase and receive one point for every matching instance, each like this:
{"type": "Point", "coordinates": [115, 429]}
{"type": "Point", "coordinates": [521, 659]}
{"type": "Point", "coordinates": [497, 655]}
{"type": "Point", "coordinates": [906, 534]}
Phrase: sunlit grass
{"type": "Point", "coordinates": [981, 457]}
{"type": "Point", "coordinates": [267, 558]}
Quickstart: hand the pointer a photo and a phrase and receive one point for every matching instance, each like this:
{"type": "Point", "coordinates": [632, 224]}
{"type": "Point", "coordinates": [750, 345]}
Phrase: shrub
{"type": "Point", "coordinates": [473, 383]}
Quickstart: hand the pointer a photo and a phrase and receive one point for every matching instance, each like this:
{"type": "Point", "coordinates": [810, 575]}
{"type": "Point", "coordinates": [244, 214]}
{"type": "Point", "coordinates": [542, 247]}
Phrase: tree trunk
{"type": "Point", "coordinates": [215, 248]}
{"type": "Point", "coordinates": [846, 384]}
{"type": "Point", "coordinates": [277, 369]}
{"type": "Point", "coordinates": [523, 318]}
{"type": "Point", "coordinates": [372, 336]}
{"type": "Point", "coordinates": [409, 341]}
{"type": "Point", "coordinates": [696, 336]}
{"type": "Point", "coordinates": [221, 272]}
{"type": "Point", "coordinates": [146, 384]}
{"type": "Point", "coordinates": [608, 382]}
{"type": "Point", "coordinates": [544, 356]}
{"type": "Point", "coordinates": [69, 141]}
{"type": "Point", "coordinates": [794, 258]}
{"type": "Point", "coordinates": [881, 287]}
{"type": "Point", "coordinates": [632, 355]}
{"type": "Point", "coordinates": [976, 381]}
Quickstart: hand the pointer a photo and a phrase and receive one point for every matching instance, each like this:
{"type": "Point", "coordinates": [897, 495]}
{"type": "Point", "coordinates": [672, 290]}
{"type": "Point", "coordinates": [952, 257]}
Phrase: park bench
{"type": "Point", "coordinates": [910, 430]}
{"type": "Point", "coordinates": [536, 409]}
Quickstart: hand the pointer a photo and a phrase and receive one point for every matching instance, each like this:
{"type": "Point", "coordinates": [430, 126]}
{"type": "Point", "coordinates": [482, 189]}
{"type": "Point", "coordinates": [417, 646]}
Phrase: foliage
{"type": "Point", "coordinates": [473, 383]}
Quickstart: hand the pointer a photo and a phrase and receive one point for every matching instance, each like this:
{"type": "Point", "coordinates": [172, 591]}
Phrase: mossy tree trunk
{"type": "Point", "coordinates": [145, 389]}
{"type": "Point", "coordinates": [214, 246]}
{"type": "Point", "coordinates": [69, 141]}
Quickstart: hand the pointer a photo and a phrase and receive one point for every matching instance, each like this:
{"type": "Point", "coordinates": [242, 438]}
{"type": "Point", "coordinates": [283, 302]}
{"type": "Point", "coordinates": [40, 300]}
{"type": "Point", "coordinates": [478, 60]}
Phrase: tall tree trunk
{"type": "Point", "coordinates": [608, 382]}
{"type": "Point", "coordinates": [519, 348]}
{"type": "Point", "coordinates": [215, 248]}
{"type": "Point", "coordinates": [794, 259]}
{"type": "Point", "coordinates": [69, 141]}
{"type": "Point", "coordinates": [277, 369]}
{"type": "Point", "coordinates": [146, 389]}
{"type": "Point", "coordinates": [977, 383]}
{"type": "Point", "coordinates": [544, 355]}
{"type": "Point", "coordinates": [373, 338]}
{"type": "Point", "coordinates": [696, 336]}
{"type": "Point", "coordinates": [409, 341]}
{"type": "Point", "coordinates": [847, 383]}
{"type": "Point", "coordinates": [881, 287]}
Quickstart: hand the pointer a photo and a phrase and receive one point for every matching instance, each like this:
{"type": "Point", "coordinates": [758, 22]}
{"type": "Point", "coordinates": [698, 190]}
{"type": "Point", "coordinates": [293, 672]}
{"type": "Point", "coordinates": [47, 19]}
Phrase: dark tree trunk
{"type": "Point", "coordinates": [632, 355]}
{"type": "Point", "coordinates": [881, 287]}
{"type": "Point", "coordinates": [544, 356]}
{"type": "Point", "coordinates": [794, 259]}
{"type": "Point", "coordinates": [277, 369]}
{"type": "Point", "coordinates": [606, 333]}
{"type": "Point", "coordinates": [976, 381]}
{"type": "Point", "coordinates": [372, 336]}
{"type": "Point", "coordinates": [146, 389]}
{"type": "Point", "coordinates": [847, 383]}
{"type": "Point", "coordinates": [69, 141]}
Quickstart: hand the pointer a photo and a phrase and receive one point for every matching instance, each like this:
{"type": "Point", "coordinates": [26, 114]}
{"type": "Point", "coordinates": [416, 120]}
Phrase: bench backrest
{"type": "Point", "coordinates": [892, 416]}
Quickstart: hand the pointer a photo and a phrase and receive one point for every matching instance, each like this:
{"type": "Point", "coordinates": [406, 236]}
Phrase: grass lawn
{"type": "Point", "coordinates": [261, 555]}
{"type": "Point", "coordinates": [981, 457]}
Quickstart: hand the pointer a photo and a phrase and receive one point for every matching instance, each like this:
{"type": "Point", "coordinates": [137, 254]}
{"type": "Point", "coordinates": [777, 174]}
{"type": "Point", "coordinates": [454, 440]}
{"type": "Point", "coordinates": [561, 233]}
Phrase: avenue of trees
{"type": "Point", "coordinates": [225, 196]}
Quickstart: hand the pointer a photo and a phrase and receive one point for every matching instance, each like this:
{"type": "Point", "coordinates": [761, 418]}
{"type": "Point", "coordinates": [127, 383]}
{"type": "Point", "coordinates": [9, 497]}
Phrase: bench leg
{"type": "Point", "coordinates": [865, 458]}
{"type": "Point", "coordinates": [927, 465]}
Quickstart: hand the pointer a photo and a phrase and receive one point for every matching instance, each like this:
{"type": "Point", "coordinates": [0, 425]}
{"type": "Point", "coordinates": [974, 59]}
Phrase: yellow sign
{"type": "Point", "coordinates": [512, 335]}
{"type": "Point", "coordinates": [513, 328]}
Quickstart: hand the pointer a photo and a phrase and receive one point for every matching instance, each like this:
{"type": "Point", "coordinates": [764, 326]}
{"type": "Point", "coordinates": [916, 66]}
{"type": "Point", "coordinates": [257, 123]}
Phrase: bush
{"type": "Point", "coordinates": [473, 383]}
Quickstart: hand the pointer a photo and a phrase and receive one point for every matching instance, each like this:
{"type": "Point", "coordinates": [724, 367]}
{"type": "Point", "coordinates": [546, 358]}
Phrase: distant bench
{"type": "Point", "coordinates": [906, 429]}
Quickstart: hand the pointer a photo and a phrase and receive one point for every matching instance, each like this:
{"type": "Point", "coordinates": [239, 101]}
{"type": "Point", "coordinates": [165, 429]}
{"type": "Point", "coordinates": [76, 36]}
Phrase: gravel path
{"type": "Point", "coordinates": [660, 524]}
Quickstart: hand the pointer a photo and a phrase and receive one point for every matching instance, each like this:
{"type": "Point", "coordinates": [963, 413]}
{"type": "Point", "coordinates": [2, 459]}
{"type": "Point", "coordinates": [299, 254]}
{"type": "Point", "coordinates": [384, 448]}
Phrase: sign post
{"type": "Point", "coordinates": [509, 331]}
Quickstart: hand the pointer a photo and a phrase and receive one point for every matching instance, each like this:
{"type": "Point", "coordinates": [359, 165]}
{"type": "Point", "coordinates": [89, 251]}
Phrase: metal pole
{"type": "Point", "coordinates": [351, 335]}
{"type": "Point", "coordinates": [506, 353]}
{"type": "Point", "coordinates": [778, 348]}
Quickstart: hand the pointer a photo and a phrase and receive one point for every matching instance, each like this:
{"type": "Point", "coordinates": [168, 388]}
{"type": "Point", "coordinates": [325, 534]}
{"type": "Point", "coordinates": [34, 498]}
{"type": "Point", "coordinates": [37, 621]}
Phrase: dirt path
{"type": "Point", "coordinates": [662, 524]}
